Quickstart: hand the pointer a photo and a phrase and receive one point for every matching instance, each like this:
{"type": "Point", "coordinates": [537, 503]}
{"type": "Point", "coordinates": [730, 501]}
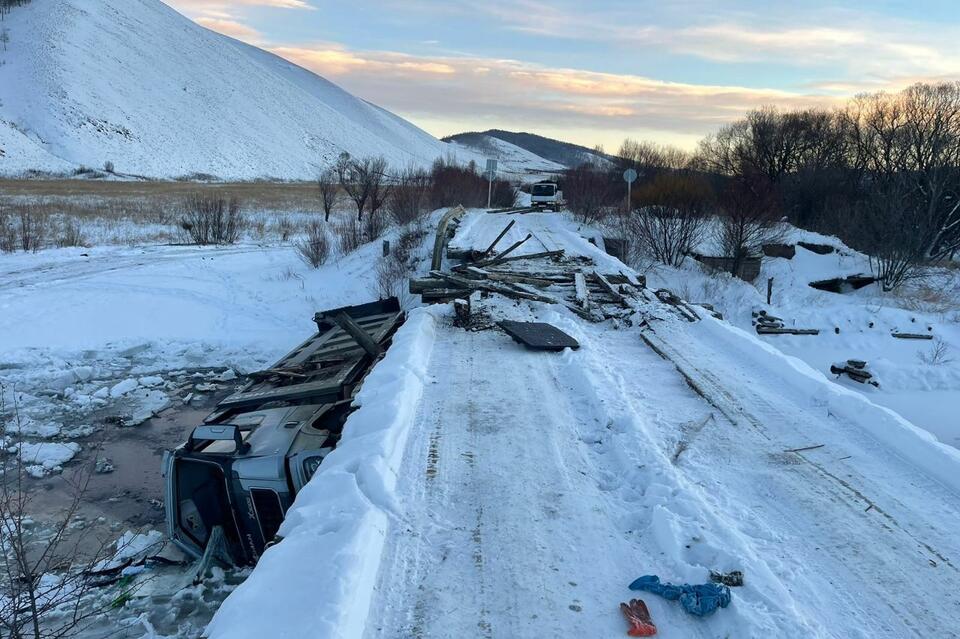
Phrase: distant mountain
{"type": "Point", "coordinates": [558, 152]}
{"type": "Point", "coordinates": [133, 82]}
{"type": "Point", "coordinates": [513, 159]}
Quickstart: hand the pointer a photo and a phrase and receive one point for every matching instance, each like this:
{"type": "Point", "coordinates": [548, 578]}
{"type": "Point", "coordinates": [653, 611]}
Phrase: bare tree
{"type": "Point", "coordinates": [642, 155]}
{"type": "Point", "coordinates": [363, 180]}
{"type": "Point", "coordinates": [671, 219]}
{"type": "Point", "coordinates": [749, 218]}
{"type": "Point", "coordinates": [328, 186]}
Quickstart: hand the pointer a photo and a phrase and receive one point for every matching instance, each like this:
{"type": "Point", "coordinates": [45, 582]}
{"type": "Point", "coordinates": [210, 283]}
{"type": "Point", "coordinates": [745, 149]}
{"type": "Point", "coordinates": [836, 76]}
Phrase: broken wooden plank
{"type": "Point", "coordinates": [493, 287]}
{"type": "Point", "coordinates": [499, 237]}
{"type": "Point", "coordinates": [442, 295]}
{"type": "Point", "coordinates": [510, 249]}
{"type": "Point", "coordinates": [769, 330]}
{"type": "Point", "coordinates": [514, 278]}
{"type": "Point", "coordinates": [361, 336]}
{"type": "Point", "coordinates": [805, 448]}
{"type": "Point", "coordinates": [583, 294]}
{"type": "Point", "coordinates": [513, 258]}
{"type": "Point", "coordinates": [609, 288]}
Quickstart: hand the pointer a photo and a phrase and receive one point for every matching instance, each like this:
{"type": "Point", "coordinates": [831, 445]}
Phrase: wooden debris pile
{"type": "Point", "coordinates": [550, 277]}
{"type": "Point", "coordinates": [767, 324]}
{"type": "Point", "coordinates": [855, 369]}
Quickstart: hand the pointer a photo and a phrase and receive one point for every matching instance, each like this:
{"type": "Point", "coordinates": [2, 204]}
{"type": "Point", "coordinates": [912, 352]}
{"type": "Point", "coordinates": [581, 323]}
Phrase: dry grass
{"type": "Point", "coordinates": [153, 200]}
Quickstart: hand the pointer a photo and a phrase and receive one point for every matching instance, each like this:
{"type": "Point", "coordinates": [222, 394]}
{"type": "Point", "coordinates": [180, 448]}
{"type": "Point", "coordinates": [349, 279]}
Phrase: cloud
{"type": "Point", "coordinates": [230, 28]}
{"type": "Point", "coordinates": [198, 5]}
{"type": "Point", "coordinates": [477, 90]}
{"type": "Point", "coordinates": [854, 45]}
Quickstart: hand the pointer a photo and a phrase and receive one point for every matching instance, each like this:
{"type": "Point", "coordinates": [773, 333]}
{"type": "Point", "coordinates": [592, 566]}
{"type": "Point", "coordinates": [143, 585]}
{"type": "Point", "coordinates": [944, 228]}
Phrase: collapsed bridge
{"type": "Point", "coordinates": [484, 489]}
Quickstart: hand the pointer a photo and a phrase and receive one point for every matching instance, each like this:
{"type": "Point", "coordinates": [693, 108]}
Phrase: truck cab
{"type": "Point", "coordinates": [544, 194]}
{"type": "Point", "coordinates": [241, 469]}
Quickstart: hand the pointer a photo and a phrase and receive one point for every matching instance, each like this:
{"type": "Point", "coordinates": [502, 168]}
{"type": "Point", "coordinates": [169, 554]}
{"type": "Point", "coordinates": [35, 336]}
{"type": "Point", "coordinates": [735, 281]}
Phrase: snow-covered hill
{"type": "Point", "coordinates": [549, 150]}
{"type": "Point", "coordinates": [137, 84]}
{"type": "Point", "coordinates": [513, 159]}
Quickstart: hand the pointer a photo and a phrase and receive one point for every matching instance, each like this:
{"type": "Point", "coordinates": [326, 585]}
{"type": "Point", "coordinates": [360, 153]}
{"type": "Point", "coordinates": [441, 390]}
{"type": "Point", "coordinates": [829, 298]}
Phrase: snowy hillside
{"type": "Point", "coordinates": [513, 159]}
{"type": "Point", "coordinates": [135, 83]}
{"type": "Point", "coordinates": [565, 154]}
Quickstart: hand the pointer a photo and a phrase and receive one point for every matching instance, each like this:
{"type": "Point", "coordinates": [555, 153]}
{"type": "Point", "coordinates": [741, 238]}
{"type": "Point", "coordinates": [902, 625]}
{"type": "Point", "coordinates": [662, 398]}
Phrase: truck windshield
{"type": "Point", "coordinates": [543, 189]}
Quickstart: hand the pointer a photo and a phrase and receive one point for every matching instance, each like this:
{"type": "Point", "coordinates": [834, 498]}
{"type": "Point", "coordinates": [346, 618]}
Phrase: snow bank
{"type": "Point", "coordinates": [334, 534]}
{"type": "Point", "coordinates": [920, 448]}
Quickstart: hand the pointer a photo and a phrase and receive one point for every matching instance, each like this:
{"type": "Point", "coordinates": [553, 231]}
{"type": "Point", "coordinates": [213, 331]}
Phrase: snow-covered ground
{"type": "Point", "coordinates": [856, 325]}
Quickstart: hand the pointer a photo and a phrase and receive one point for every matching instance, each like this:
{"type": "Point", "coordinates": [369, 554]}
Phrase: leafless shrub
{"type": "Point", "coordinates": [8, 234]}
{"type": "Point", "coordinates": [284, 227]}
{"type": "Point", "coordinates": [939, 354]}
{"type": "Point", "coordinates": [209, 219]}
{"type": "Point", "coordinates": [391, 276]}
{"type": "Point", "coordinates": [375, 225]}
{"type": "Point", "coordinates": [108, 166]}
{"type": "Point", "coordinates": [349, 235]}
{"type": "Point", "coordinates": [32, 229]}
{"type": "Point", "coordinates": [407, 243]}
{"type": "Point", "coordinates": [408, 199]}
{"type": "Point", "coordinates": [70, 233]}
{"type": "Point", "coordinates": [589, 192]}
{"type": "Point", "coordinates": [257, 226]}
{"type": "Point", "coordinates": [314, 247]}
{"type": "Point", "coordinates": [671, 221]}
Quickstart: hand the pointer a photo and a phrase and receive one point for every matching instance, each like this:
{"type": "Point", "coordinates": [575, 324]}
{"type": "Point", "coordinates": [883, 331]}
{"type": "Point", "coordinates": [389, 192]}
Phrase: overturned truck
{"type": "Point", "coordinates": [230, 484]}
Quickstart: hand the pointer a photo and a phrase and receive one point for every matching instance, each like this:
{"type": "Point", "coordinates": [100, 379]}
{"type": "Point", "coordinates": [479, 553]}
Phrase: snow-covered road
{"type": "Point", "coordinates": [536, 486]}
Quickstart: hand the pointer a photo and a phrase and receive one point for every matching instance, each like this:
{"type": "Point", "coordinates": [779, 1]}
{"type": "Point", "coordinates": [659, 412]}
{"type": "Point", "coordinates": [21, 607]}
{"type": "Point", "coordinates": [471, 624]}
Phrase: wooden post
{"type": "Point", "coordinates": [362, 337]}
{"type": "Point", "coordinates": [769, 290]}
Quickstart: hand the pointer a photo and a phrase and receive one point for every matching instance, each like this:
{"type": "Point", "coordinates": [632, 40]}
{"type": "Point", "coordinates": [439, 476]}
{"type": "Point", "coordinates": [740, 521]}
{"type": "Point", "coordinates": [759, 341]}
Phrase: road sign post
{"type": "Point", "coordinates": [491, 174]}
{"type": "Point", "coordinates": [629, 176]}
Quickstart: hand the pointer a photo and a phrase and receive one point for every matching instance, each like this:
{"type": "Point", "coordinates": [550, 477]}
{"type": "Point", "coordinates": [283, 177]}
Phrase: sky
{"type": "Point", "coordinates": [598, 71]}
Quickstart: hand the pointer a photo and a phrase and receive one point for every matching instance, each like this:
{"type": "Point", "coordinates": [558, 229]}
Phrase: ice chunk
{"type": "Point", "coordinates": [41, 459]}
{"type": "Point", "coordinates": [123, 387]}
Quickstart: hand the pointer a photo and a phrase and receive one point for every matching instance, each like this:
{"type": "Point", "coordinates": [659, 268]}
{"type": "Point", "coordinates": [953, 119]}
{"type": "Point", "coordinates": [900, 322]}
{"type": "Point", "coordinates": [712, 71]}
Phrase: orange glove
{"type": "Point", "coordinates": [639, 619]}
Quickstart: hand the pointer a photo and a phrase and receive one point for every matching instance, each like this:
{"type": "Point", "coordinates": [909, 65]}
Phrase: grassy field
{"type": "Point", "coordinates": [115, 212]}
{"type": "Point", "coordinates": [104, 197]}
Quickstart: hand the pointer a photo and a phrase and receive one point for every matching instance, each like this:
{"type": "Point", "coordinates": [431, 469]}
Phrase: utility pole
{"type": "Point", "coordinates": [629, 176]}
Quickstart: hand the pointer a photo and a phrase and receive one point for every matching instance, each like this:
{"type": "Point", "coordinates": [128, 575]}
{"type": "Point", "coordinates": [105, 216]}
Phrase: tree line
{"type": "Point", "coordinates": [882, 172]}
